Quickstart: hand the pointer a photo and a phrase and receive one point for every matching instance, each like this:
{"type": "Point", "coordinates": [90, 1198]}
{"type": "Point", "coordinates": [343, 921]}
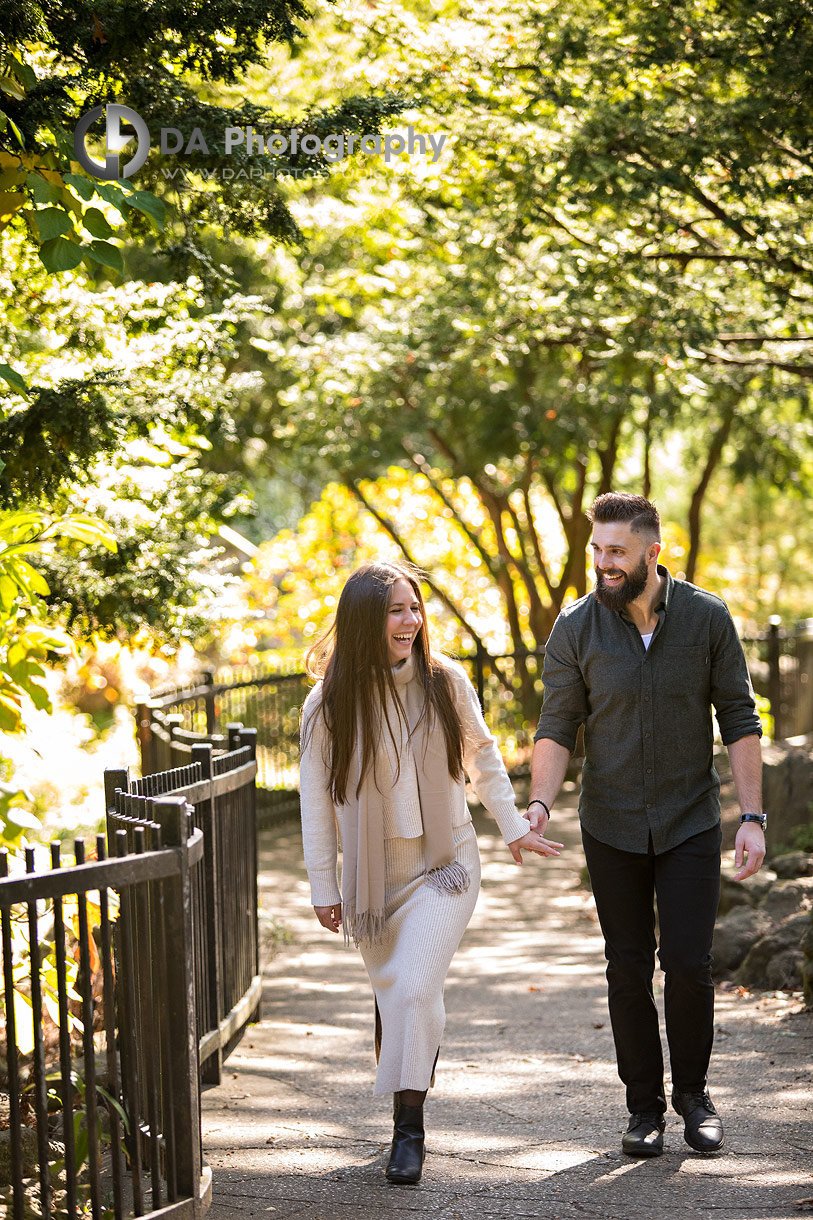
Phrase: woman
{"type": "Point", "coordinates": [386, 736]}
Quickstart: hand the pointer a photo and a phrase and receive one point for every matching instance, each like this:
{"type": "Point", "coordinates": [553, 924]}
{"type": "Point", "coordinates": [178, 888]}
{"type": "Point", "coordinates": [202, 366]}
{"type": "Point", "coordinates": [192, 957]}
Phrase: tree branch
{"type": "Point", "coordinates": [389, 527]}
{"type": "Point", "coordinates": [712, 461]}
{"type": "Point", "coordinates": [425, 469]}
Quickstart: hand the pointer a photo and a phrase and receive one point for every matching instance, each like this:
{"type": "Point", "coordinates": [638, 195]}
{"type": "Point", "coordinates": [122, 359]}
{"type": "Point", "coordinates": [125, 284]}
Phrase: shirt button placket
{"type": "Point", "coordinates": [648, 730]}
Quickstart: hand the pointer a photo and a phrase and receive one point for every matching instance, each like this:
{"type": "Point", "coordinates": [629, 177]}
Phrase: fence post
{"type": "Point", "coordinates": [114, 777]}
{"type": "Point", "coordinates": [209, 703]}
{"type": "Point", "coordinates": [775, 678]}
{"type": "Point", "coordinates": [170, 813]}
{"type": "Point", "coordinates": [212, 1069]}
{"type": "Point", "coordinates": [233, 732]}
{"type": "Point", "coordinates": [144, 736]}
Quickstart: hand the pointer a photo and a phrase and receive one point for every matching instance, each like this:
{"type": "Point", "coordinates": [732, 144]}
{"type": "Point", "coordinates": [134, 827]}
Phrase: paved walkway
{"type": "Point", "coordinates": [527, 1113]}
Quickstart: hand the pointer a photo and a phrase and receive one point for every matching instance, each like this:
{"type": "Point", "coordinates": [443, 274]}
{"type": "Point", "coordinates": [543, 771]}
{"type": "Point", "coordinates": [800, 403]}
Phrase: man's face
{"type": "Point", "coordinates": [620, 559]}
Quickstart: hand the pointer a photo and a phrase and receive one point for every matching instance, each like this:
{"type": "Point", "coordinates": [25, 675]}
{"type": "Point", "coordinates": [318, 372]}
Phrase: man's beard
{"type": "Point", "coordinates": [619, 596]}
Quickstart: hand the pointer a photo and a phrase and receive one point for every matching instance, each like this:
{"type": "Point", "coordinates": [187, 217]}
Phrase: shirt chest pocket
{"type": "Point", "coordinates": [684, 672]}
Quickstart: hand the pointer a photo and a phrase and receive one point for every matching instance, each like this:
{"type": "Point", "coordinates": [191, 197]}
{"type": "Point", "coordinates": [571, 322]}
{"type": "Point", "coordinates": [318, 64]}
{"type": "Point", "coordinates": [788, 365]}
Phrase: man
{"type": "Point", "coordinates": [639, 663]}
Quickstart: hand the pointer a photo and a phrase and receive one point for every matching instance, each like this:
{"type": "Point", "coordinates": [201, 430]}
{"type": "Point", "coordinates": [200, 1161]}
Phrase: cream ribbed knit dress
{"type": "Point", "coordinates": [423, 927]}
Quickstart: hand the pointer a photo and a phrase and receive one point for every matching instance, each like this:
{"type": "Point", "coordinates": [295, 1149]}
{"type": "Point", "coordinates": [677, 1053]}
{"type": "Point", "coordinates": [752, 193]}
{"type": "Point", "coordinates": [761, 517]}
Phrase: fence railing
{"type": "Point", "coordinates": [169, 724]}
{"type": "Point", "coordinates": [221, 789]}
{"type": "Point", "coordinates": [781, 665]}
{"type": "Point", "coordinates": [101, 1057]}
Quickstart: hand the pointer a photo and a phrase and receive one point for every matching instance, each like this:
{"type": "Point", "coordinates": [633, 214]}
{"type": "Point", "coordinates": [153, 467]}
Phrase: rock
{"type": "Point", "coordinates": [785, 897]}
{"type": "Point", "coordinates": [793, 864]}
{"type": "Point", "coordinates": [29, 1150]}
{"type": "Point", "coordinates": [752, 890]}
{"type": "Point", "coordinates": [807, 964]}
{"type": "Point", "coordinates": [786, 937]}
{"type": "Point", "coordinates": [736, 934]}
{"type": "Point", "coordinates": [784, 972]}
{"type": "Point", "coordinates": [733, 894]}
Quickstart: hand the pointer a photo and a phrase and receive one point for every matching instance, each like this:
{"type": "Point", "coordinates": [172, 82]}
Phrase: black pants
{"type": "Point", "coordinates": [686, 883]}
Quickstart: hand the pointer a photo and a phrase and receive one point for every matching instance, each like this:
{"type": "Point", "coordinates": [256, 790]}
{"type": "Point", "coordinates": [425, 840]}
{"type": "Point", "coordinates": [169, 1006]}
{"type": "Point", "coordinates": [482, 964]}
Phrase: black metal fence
{"type": "Point", "coordinates": [781, 665]}
{"type": "Point", "coordinates": [220, 787]}
{"type": "Point", "coordinates": [170, 724]}
{"type": "Point", "coordinates": [127, 981]}
{"type": "Point", "coordinates": [101, 1060]}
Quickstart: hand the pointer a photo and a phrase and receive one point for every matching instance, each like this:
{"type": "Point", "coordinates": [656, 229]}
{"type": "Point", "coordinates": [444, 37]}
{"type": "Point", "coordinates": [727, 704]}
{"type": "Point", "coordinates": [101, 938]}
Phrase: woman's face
{"type": "Point", "coordinates": [403, 620]}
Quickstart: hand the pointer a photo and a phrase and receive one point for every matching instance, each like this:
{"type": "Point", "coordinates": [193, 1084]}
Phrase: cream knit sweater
{"type": "Point", "coordinates": [322, 821]}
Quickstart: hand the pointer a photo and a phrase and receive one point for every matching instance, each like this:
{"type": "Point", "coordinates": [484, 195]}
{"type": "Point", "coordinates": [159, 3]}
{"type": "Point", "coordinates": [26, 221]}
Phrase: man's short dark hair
{"type": "Point", "coordinates": [639, 513]}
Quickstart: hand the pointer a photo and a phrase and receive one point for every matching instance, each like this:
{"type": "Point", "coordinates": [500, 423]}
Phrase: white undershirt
{"type": "Point", "coordinates": [647, 639]}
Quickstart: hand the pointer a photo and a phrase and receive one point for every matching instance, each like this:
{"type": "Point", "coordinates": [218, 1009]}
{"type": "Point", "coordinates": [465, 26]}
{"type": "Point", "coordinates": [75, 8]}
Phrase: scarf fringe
{"type": "Point", "coordinates": [451, 878]}
{"type": "Point", "coordinates": [366, 928]}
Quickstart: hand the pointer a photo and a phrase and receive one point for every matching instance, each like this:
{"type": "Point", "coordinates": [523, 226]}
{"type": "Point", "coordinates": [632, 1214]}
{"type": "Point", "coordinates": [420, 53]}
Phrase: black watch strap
{"type": "Point", "coordinates": [762, 818]}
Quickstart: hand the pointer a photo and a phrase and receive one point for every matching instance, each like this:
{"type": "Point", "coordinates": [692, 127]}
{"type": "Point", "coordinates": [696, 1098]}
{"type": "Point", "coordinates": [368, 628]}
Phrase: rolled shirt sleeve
{"type": "Point", "coordinates": [732, 694]}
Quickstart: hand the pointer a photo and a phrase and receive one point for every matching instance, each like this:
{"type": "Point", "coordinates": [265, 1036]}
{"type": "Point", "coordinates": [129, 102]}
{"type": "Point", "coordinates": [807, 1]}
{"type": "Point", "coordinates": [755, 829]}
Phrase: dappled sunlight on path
{"type": "Point", "coordinates": [527, 1112]}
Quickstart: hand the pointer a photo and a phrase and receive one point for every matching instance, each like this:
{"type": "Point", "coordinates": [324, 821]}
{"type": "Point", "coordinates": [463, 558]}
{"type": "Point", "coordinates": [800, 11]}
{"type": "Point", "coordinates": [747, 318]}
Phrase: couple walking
{"type": "Point", "coordinates": [390, 732]}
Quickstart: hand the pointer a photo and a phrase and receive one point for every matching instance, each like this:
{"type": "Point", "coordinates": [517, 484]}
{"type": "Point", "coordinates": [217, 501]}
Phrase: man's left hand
{"type": "Point", "coordinates": [749, 850]}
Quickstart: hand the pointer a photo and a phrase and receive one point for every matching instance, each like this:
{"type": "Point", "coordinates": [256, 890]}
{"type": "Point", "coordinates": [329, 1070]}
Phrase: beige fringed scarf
{"type": "Point", "coordinates": [363, 880]}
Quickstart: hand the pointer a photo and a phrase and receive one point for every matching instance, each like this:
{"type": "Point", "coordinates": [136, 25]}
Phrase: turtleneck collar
{"type": "Point", "coordinates": [405, 672]}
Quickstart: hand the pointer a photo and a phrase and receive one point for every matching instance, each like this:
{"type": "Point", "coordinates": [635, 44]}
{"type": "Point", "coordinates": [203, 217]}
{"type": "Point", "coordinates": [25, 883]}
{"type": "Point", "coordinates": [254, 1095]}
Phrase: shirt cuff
{"type": "Point", "coordinates": [511, 823]}
{"type": "Point", "coordinates": [325, 890]}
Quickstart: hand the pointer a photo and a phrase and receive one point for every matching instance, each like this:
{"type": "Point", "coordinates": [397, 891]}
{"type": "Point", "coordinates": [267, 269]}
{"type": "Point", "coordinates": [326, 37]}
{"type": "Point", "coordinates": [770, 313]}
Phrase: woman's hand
{"type": "Point", "coordinates": [331, 917]}
{"type": "Point", "coordinates": [533, 841]}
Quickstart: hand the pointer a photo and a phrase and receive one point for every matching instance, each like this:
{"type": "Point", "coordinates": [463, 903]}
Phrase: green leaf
{"type": "Point", "coordinates": [87, 529]}
{"type": "Point", "coordinates": [10, 717]}
{"type": "Point", "coordinates": [150, 205]}
{"type": "Point", "coordinates": [96, 223]}
{"type": "Point", "coordinates": [24, 72]}
{"type": "Point", "coordinates": [84, 188]}
{"type": "Point", "coordinates": [29, 578]}
{"type": "Point", "coordinates": [109, 256]}
{"type": "Point", "coordinates": [52, 222]}
{"type": "Point", "coordinates": [8, 591]}
{"type": "Point", "coordinates": [59, 254]}
{"type": "Point", "coordinates": [14, 379]}
{"type": "Point", "coordinates": [23, 818]}
{"type": "Point", "coordinates": [5, 122]}
{"type": "Point", "coordinates": [38, 694]}
{"type": "Point", "coordinates": [42, 190]}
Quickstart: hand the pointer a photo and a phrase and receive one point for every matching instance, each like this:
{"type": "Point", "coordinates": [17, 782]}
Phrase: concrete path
{"type": "Point", "coordinates": [527, 1113]}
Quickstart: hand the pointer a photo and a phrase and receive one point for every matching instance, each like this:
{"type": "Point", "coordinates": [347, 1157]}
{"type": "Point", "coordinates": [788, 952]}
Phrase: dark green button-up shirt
{"type": "Point", "coordinates": [648, 767]}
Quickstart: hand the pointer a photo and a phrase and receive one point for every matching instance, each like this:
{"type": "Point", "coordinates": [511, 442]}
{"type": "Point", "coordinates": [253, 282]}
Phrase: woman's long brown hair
{"type": "Point", "coordinates": [353, 660]}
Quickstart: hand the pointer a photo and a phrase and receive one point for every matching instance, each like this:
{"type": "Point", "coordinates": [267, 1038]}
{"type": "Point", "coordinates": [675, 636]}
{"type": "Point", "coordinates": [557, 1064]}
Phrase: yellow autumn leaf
{"type": "Point", "coordinates": [24, 1023]}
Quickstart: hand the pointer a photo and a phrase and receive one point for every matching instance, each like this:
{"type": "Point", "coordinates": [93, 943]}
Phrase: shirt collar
{"type": "Point", "coordinates": [662, 604]}
{"type": "Point", "coordinates": [666, 595]}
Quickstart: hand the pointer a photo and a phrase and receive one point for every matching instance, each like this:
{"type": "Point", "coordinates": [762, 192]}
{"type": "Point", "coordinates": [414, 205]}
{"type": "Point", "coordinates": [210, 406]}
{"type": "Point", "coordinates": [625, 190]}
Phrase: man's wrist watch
{"type": "Point", "coordinates": [762, 818]}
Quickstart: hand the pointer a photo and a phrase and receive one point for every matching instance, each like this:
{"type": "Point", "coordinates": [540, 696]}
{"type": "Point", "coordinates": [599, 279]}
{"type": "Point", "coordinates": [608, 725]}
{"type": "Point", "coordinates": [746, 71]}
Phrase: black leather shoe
{"type": "Point", "coordinates": [703, 1129]}
{"type": "Point", "coordinates": [406, 1155]}
{"type": "Point", "coordinates": [644, 1135]}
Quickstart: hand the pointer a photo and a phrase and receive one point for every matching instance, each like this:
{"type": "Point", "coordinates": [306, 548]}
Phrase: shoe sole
{"type": "Point", "coordinates": [698, 1148]}
{"type": "Point", "coordinates": [645, 1153]}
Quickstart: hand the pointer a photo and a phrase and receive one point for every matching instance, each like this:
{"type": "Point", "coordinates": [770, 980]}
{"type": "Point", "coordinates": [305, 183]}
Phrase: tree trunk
{"type": "Point", "coordinates": [713, 457]}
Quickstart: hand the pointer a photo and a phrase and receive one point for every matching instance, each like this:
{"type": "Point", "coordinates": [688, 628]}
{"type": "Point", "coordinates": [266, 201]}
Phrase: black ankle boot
{"type": "Point", "coordinates": [407, 1153]}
